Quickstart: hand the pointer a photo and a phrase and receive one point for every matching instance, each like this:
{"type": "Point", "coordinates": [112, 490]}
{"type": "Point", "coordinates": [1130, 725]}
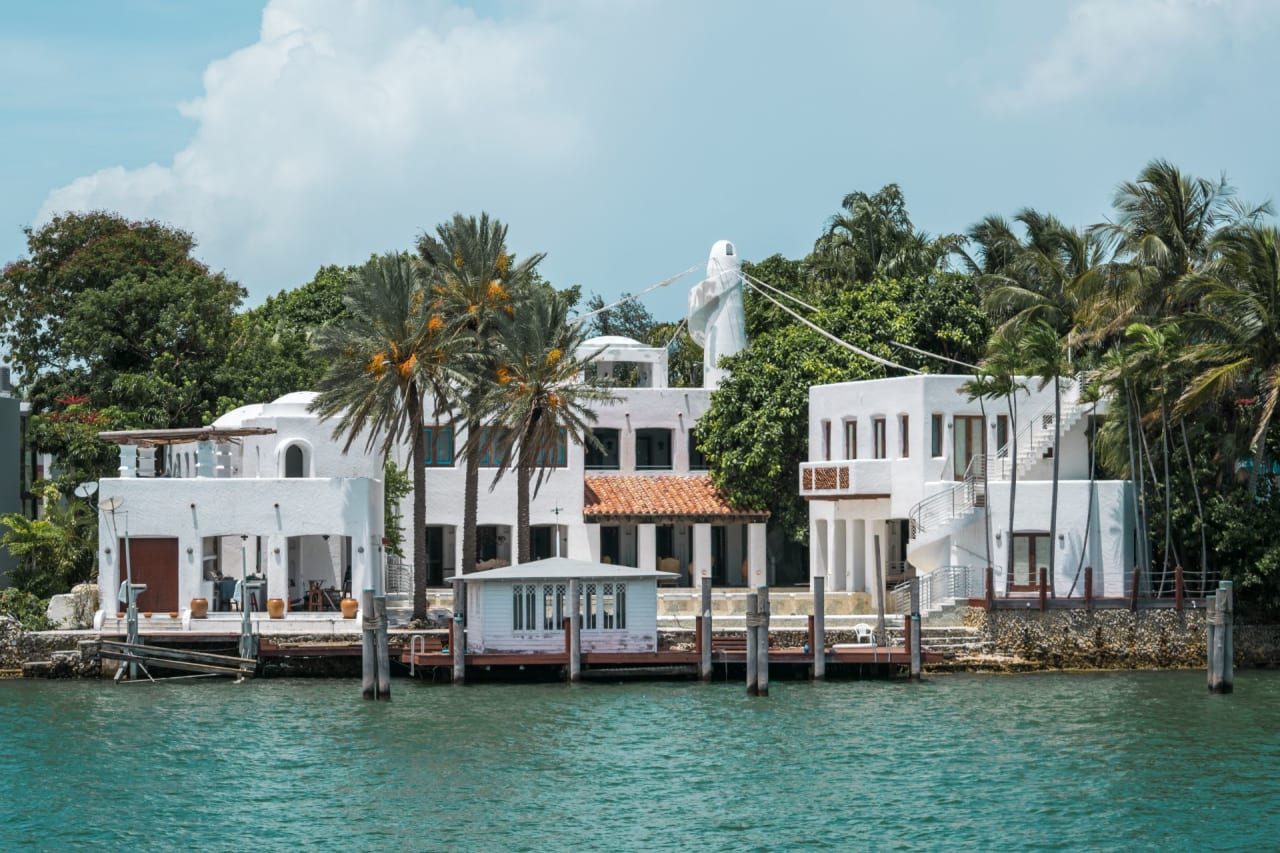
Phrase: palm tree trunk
{"type": "Point", "coordinates": [1053, 500]}
{"type": "Point", "coordinates": [1136, 443]}
{"type": "Point", "coordinates": [524, 551]}
{"type": "Point", "coordinates": [419, 504]}
{"type": "Point", "coordinates": [1195, 490]}
{"type": "Point", "coordinates": [986, 483]}
{"type": "Point", "coordinates": [1168, 498]}
{"type": "Point", "coordinates": [1013, 487]}
{"type": "Point", "coordinates": [1260, 449]}
{"type": "Point", "coordinates": [471, 497]}
{"type": "Point", "coordinates": [1088, 517]}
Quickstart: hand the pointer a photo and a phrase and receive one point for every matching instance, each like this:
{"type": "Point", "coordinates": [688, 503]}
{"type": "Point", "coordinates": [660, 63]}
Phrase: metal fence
{"type": "Point", "coordinates": [942, 587]}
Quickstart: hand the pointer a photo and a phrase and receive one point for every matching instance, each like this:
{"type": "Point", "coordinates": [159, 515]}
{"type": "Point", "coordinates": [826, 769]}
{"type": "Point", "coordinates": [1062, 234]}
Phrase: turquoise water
{"type": "Point", "coordinates": [1038, 762]}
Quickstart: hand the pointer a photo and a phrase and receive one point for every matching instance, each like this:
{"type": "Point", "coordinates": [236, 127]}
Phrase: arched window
{"type": "Point", "coordinates": [294, 462]}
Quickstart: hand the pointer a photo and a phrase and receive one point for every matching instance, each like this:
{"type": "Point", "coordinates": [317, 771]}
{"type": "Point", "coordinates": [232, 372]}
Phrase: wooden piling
{"type": "Point", "coordinates": [704, 634]}
{"type": "Point", "coordinates": [991, 588]}
{"type": "Point", "coordinates": [818, 633]}
{"type": "Point", "coordinates": [383, 686]}
{"type": "Point", "coordinates": [368, 654]}
{"type": "Point", "coordinates": [1088, 588]}
{"type": "Point", "coordinates": [762, 638]}
{"type": "Point", "coordinates": [575, 632]}
{"type": "Point", "coordinates": [1133, 590]}
{"type": "Point", "coordinates": [912, 633]}
{"type": "Point", "coordinates": [1221, 645]}
{"type": "Point", "coordinates": [882, 635]}
{"type": "Point", "coordinates": [1177, 588]}
{"type": "Point", "coordinates": [458, 642]}
{"type": "Point", "coordinates": [751, 648]}
{"type": "Point", "coordinates": [1044, 589]}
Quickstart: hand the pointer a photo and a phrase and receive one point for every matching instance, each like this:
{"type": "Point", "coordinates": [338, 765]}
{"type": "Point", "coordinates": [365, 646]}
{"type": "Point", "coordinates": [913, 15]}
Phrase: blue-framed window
{"type": "Point", "coordinates": [561, 453]}
{"type": "Point", "coordinates": [493, 447]}
{"type": "Point", "coordinates": [439, 446]}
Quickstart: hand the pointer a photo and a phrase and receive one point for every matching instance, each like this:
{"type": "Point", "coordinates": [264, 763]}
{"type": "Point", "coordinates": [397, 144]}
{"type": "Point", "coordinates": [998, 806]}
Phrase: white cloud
{"type": "Point", "coordinates": [344, 129]}
{"type": "Point", "coordinates": [1118, 47]}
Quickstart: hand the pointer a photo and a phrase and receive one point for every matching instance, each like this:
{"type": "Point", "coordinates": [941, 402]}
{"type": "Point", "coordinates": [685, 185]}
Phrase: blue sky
{"type": "Point", "coordinates": [622, 138]}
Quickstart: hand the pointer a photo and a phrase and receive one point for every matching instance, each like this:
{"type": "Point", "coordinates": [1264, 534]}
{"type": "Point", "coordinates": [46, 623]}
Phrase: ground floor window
{"type": "Point", "coordinates": [545, 607]}
{"type": "Point", "coordinates": [1030, 555]}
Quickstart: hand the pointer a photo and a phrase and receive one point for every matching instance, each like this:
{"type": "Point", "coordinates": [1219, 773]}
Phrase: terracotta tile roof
{"type": "Point", "coordinates": [650, 497]}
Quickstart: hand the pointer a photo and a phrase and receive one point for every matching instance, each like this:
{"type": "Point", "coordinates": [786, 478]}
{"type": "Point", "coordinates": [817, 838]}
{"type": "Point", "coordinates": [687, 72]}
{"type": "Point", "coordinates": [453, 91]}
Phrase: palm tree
{"type": "Point", "coordinates": [1003, 357]}
{"type": "Point", "coordinates": [542, 394]}
{"type": "Point", "coordinates": [982, 387]}
{"type": "Point", "coordinates": [477, 283]}
{"type": "Point", "coordinates": [1237, 328]}
{"type": "Point", "coordinates": [383, 361]}
{"type": "Point", "coordinates": [1047, 360]}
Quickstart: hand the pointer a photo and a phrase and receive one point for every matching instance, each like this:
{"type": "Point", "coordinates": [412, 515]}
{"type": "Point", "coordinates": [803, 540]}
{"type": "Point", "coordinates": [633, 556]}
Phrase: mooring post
{"type": "Point", "coordinates": [1088, 588]}
{"type": "Point", "coordinates": [1133, 590]}
{"type": "Point", "coordinates": [819, 632]}
{"type": "Point", "coordinates": [762, 638]}
{"type": "Point", "coordinates": [1044, 589]}
{"type": "Point", "coordinates": [882, 634]}
{"type": "Point", "coordinates": [913, 630]}
{"type": "Point", "coordinates": [368, 655]}
{"type": "Point", "coordinates": [751, 648]}
{"type": "Point", "coordinates": [459, 639]}
{"type": "Point", "coordinates": [1177, 588]}
{"type": "Point", "coordinates": [991, 588]}
{"type": "Point", "coordinates": [383, 650]}
{"type": "Point", "coordinates": [575, 632]}
{"type": "Point", "coordinates": [1221, 652]}
{"type": "Point", "coordinates": [704, 633]}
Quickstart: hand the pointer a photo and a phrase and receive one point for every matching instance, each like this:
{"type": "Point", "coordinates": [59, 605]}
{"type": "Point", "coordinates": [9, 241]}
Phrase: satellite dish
{"type": "Point", "coordinates": [86, 490]}
{"type": "Point", "coordinates": [111, 503]}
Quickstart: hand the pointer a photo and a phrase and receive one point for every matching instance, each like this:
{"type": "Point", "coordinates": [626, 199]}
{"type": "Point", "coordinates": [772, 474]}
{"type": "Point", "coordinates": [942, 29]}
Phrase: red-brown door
{"type": "Point", "coordinates": [154, 562]}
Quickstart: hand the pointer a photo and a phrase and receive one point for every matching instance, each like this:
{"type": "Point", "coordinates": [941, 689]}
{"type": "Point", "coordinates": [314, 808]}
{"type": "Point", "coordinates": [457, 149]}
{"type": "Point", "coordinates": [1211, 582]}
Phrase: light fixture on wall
{"type": "Point", "coordinates": [107, 550]}
{"type": "Point", "coordinates": [190, 550]}
{"type": "Point", "coordinates": [325, 537]}
{"type": "Point", "coordinates": [1062, 540]}
{"type": "Point", "coordinates": [360, 550]}
{"type": "Point", "coordinates": [997, 537]}
{"type": "Point", "coordinates": [276, 551]}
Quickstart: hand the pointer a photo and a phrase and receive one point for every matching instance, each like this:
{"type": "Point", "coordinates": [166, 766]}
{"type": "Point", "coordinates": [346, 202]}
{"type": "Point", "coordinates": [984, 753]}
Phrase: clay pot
{"type": "Point", "coordinates": [146, 614]}
{"type": "Point", "coordinates": [173, 614]}
{"type": "Point", "coordinates": [199, 608]}
{"type": "Point", "coordinates": [275, 608]}
{"type": "Point", "coordinates": [119, 614]}
{"type": "Point", "coordinates": [349, 608]}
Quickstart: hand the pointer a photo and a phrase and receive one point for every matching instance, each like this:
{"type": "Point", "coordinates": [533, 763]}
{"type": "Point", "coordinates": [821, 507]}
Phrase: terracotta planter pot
{"type": "Point", "coordinates": [275, 608]}
{"type": "Point", "coordinates": [199, 608]}
{"type": "Point", "coordinates": [119, 614]}
{"type": "Point", "coordinates": [349, 608]}
{"type": "Point", "coordinates": [146, 614]}
{"type": "Point", "coordinates": [173, 614]}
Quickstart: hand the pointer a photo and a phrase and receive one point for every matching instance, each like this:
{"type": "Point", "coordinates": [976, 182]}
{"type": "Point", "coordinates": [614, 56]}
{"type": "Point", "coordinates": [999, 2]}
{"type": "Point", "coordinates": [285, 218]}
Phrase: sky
{"type": "Point", "coordinates": [621, 138]}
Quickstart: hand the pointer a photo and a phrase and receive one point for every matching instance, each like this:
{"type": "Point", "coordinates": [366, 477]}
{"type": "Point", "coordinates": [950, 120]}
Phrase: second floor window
{"type": "Point", "coordinates": [439, 440]}
{"type": "Point", "coordinates": [604, 456]}
{"type": "Point", "coordinates": [850, 439]}
{"type": "Point", "coordinates": [904, 435]}
{"type": "Point", "coordinates": [697, 459]}
{"type": "Point", "coordinates": [653, 449]}
{"type": "Point", "coordinates": [935, 433]}
{"type": "Point", "coordinates": [493, 447]}
{"type": "Point", "coordinates": [879, 450]}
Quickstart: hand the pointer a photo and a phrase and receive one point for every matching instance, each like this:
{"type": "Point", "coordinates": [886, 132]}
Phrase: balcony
{"type": "Point", "coordinates": [846, 478]}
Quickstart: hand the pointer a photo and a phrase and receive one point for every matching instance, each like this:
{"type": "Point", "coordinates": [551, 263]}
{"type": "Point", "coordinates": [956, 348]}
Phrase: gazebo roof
{"type": "Point", "coordinates": [563, 568]}
{"type": "Point", "coordinates": [157, 437]}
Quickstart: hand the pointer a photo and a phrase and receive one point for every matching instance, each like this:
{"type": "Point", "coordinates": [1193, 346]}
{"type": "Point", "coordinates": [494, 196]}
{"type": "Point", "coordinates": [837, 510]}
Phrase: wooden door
{"type": "Point", "coordinates": [969, 441]}
{"type": "Point", "coordinates": [1030, 554]}
{"type": "Point", "coordinates": [154, 562]}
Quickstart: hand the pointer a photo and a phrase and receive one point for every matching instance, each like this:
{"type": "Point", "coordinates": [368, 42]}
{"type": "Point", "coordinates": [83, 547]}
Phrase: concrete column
{"type": "Point", "coordinates": [128, 460]}
{"type": "Point", "coordinates": [593, 542]}
{"type": "Point", "coordinates": [204, 459]}
{"type": "Point", "coordinates": [819, 558]}
{"type": "Point", "coordinates": [701, 553]}
{"type": "Point", "coordinates": [647, 546]}
{"type": "Point", "coordinates": [835, 551]}
{"type": "Point", "coordinates": [757, 555]}
{"type": "Point", "coordinates": [875, 529]}
{"type": "Point", "coordinates": [277, 568]}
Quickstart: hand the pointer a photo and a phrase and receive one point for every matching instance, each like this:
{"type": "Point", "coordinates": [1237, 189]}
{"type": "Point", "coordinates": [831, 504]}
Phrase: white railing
{"type": "Point", "coordinates": [399, 575]}
{"type": "Point", "coordinates": [941, 588]}
{"type": "Point", "coordinates": [937, 511]}
{"type": "Point", "coordinates": [1035, 437]}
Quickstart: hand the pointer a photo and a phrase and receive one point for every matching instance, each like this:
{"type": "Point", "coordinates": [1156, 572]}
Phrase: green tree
{"type": "Point", "coordinates": [55, 552]}
{"type": "Point", "coordinates": [543, 395]}
{"type": "Point", "coordinates": [477, 283]}
{"type": "Point", "coordinates": [1047, 359]}
{"type": "Point", "coordinates": [392, 352]}
{"type": "Point", "coordinates": [94, 283]}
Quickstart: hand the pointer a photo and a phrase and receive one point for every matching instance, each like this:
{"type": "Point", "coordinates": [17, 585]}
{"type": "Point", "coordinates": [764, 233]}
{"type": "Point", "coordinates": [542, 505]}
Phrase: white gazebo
{"type": "Point", "coordinates": [524, 608]}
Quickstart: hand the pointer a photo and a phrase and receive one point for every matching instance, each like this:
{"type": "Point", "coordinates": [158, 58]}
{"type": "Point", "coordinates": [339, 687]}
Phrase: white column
{"type": "Point", "coordinates": [278, 568]}
{"type": "Point", "coordinates": [647, 546]}
{"type": "Point", "coordinates": [593, 542]}
{"type": "Point", "coordinates": [701, 554]}
{"type": "Point", "coordinates": [757, 555]}
{"type": "Point", "coordinates": [835, 554]}
{"type": "Point", "coordinates": [128, 462]}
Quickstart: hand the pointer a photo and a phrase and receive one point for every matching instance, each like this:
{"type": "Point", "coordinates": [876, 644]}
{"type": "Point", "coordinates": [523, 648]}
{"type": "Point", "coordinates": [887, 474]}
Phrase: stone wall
{"type": "Point", "coordinates": [1111, 639]}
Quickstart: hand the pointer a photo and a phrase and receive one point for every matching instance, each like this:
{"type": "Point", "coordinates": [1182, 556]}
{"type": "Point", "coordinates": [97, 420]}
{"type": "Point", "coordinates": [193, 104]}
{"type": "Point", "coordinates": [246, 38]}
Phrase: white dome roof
{"type": "Point", "coordinates": [617, 341]}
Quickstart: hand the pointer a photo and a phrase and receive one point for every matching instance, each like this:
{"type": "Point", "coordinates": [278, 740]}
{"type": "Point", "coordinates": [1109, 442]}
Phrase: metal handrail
{"type": "Point", "coordinates": [951, 503]}
{"type": "Point", "coordinates": [1032, 440]}
{"type": "Point", "coordinates": [399, 575]}
{"type": "Point", "coordinates": [941, 587]}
